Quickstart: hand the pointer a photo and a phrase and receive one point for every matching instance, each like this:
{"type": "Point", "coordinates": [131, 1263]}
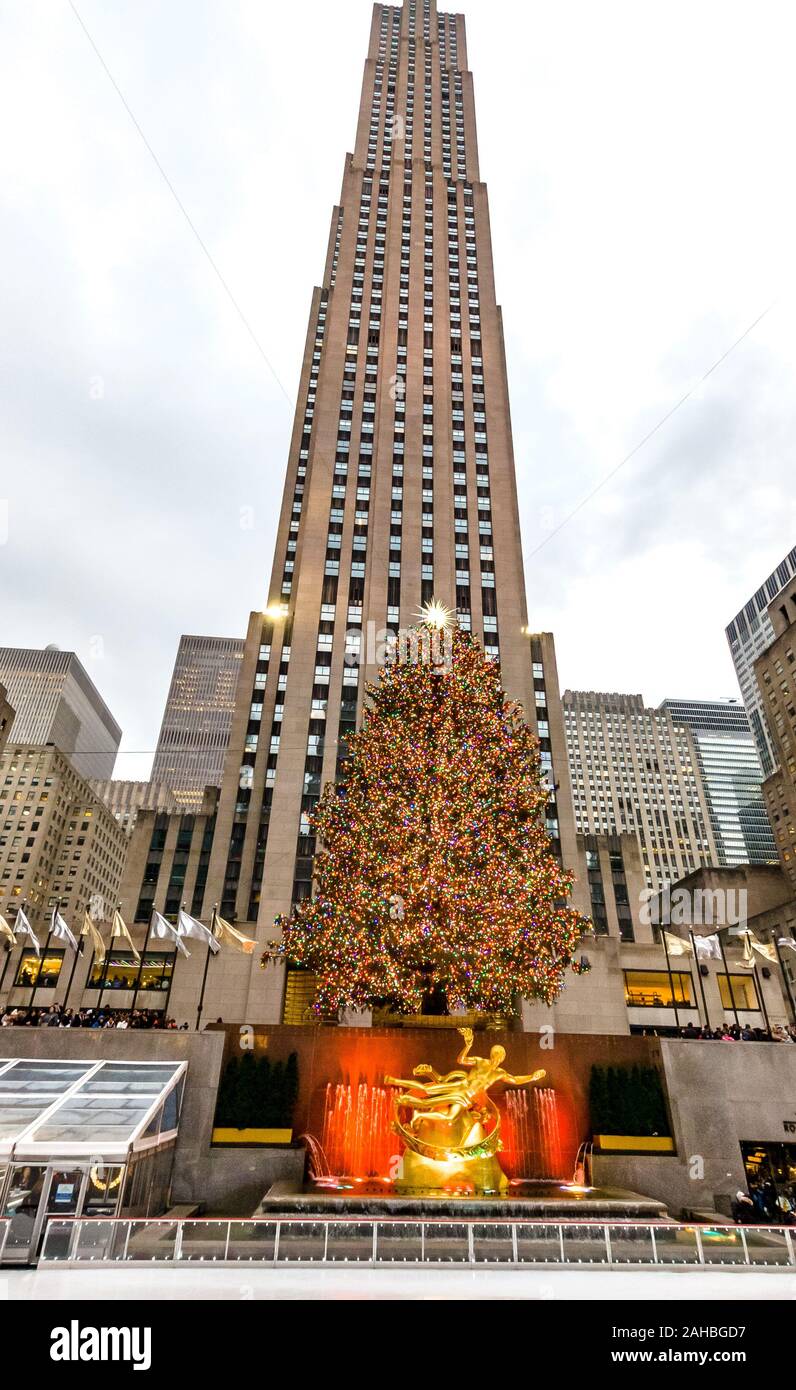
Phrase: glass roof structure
{"type": "Point", "coordinates": [68, 1109]}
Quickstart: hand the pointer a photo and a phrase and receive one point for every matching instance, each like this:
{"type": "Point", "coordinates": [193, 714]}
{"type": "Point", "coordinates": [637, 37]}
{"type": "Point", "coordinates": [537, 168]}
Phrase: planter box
{"type": "Point", "coordinates": [251, 1137]}
{"type": "Point", "coordinates": [634, 1144]}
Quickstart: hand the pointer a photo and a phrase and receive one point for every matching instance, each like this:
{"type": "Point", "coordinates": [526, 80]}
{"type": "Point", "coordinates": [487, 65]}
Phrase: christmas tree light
{"type": "Point", "coordinates": [436, 875]}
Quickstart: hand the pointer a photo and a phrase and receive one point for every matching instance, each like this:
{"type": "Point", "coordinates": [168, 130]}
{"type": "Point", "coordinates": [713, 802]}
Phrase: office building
{"type": "Point", "coordinates": [731, 776]}
{"type": "Point", "coordinates": [749, 634]}
{"type": "Point", "coordinates": [56, 701]}
{"type": "Point", "coordinates": [775, 674]}
{"type": "Point", "coordinates": [196, 724]}
{"type": "Point", "coordinates": [635, 772]}
{"type": "Point", "coordinates": [126, 799]}
{"type": "Point", "coordinates": [59, 845]}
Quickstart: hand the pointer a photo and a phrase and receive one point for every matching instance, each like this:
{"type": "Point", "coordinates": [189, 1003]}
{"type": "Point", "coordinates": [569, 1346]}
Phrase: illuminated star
{"type": "Point", "coordinates": [435, 614]}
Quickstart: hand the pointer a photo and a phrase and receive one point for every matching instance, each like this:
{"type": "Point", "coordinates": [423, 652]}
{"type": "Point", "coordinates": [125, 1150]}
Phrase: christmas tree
{"type": "Point", "coordinates": [436, 878]}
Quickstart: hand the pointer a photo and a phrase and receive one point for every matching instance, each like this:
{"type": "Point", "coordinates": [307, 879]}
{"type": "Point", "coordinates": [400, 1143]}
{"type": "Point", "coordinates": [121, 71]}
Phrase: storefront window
{"type": "Point", "coordinates": [738, 991]}
{"type": "Point", "coordinates": [121, 970]}
{"type": "Point", "coordinates": [655, 989]}
{"type": "Point", "coordinates": [41, 971]}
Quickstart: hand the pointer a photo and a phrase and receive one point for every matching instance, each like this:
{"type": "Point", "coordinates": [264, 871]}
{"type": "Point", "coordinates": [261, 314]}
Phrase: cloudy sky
{"type": "Point", "coordinates": [640, 164]}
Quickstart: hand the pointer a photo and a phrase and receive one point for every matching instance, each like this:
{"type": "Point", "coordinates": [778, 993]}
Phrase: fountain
{"type": "Point", "coordinates": [357, 1142]}
{"type": "Point", "coordinates": [532, 1135]}
{"type": "Point", "coordinates": [357, 1139]}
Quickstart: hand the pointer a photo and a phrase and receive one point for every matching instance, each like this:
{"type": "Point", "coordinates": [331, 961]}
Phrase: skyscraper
{"type": "Point", "coordinates": [774, 675]}
{"type": "Point", "coordinates": [634, 771]}
{"type": "Point", "coordinates": [57, 702]}
{"type": "Point", "coordinates": [196, 722]}
{"type": "Point", "coordinates": [732, 778]}
{"type": "Point", "coordinates": [749, 634]}
{"type": "Point", "coordinates": [400, 480]}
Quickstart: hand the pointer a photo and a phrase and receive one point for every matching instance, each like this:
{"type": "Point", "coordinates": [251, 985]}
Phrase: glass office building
{"type": "Point", "coordinates": [732, 777]}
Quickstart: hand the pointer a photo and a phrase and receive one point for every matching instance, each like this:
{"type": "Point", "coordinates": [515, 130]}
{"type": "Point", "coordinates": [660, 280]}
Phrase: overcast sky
{"type": "Point", "coordinates": [640, 164]}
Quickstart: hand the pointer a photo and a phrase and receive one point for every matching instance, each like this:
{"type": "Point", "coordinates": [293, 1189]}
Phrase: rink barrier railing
{"type": "Point", "coordinates": [404, 1241]}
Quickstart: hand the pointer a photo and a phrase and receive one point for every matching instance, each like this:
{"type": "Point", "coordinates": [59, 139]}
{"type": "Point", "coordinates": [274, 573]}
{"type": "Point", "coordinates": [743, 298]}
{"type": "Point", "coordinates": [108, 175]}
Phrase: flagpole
{"type": "Point", "coordinates": [41, 961]}
{"type": "Point", "coordinates": [105, 968]}
{"type": "Point", "coordinates": [698, 968]}
{"type": "Point", "coordinates": [729, 981]}
{"type": "Point", "coordinates": [781, 966]}
{"type": "Point", "coordinates": [137, 989]}
{"type": "Point", "coordinates": [77, 953]}
{"type": "Point", "coordinates": [6, 963]}
{"type": "Point", "coordinates": [207, 965]}
{"type": "Point", "coordinates": [759, 988]}
{"type": "Point", "coordinates": [671, 978]}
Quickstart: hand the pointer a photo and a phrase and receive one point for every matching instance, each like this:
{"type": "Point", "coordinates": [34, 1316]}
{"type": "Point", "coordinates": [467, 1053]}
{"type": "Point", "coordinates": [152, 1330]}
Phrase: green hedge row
{"type": "Point", "coordinates": [255, 1093]}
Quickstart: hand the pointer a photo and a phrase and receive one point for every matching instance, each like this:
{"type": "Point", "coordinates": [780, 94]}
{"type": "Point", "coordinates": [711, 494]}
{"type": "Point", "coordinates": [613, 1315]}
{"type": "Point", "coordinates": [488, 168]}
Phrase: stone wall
{"type": "Point", "coordinates": [720, 1095]}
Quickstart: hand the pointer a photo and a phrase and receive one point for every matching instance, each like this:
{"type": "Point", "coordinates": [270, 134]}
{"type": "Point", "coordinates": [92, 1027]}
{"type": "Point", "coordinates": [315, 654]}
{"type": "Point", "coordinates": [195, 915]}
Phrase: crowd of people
{"type": "Point", "coordinates": [735, 1032]}
{"type": "Point", "coordinates": [56, 1016]}
{"type": "Point", "coordinates": [765, 1204]}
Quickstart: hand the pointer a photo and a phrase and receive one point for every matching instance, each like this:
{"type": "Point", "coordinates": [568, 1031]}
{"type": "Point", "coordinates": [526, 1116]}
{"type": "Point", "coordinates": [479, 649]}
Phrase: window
{"type": "Point", "coordinates": [43, 973]}
{"type": "Point", "coordinates": [652, 989]}
{"type": "Point", "coordinates": [121, 971]}
{"type": "Point", "coordinates": [738, 990]}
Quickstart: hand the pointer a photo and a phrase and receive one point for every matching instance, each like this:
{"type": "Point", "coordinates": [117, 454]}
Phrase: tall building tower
{"type": "Point", "coordinates": [635, 772]}
{"type": "Point", "coordinates": [749, 634]}
{"type": "Point", "coordinates": [732, 778]}
{"type": "Point", "coordinates": [400, 482]}
{"type": "Point", "coordinates": [775, 674]}
{"type": "Point", "coordinates": [57, 702]}
{"type": "Point", "coordinates": [196, 722]}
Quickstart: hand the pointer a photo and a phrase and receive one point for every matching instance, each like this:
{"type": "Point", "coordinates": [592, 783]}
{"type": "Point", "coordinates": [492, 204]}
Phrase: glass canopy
{"type": "Point", "coordinates": [65, 1109]}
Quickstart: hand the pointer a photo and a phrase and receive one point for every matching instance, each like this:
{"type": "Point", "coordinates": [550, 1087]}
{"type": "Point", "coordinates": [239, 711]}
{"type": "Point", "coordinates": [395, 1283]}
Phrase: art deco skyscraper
{"type": "Point", "coordinates": [400, 480]}
{"type": "Point", "coordinates": [193, 738]}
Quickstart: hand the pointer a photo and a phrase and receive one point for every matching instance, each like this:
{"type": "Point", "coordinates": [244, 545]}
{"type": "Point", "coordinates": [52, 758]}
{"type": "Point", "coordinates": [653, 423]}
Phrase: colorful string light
{"type": "Point", "coordinates": [436, 871]}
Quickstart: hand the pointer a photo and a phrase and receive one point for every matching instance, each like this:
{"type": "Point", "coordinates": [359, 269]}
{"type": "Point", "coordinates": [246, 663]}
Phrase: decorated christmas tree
{"type": "Point", "coordinates": [436, 886]}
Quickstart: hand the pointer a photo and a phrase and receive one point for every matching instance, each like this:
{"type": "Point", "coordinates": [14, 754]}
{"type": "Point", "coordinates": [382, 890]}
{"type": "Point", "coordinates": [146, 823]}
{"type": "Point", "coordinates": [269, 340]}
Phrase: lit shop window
{"type": "Point", "coordinates": [654, 989]}
{"type": "Point", "coordinates": [43, 973]}
{"type": "Point", "coordinates": [738, 991]}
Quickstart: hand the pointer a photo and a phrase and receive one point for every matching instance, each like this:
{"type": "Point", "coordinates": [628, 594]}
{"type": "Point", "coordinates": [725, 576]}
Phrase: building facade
{"type": "Point", "coordinates": [731, 776]}
{"type": "Point", "coordinates": [634, 771]}
{"type": "Point", "coordinates": [57, 702]}
{"type": "Point", "coordinates": [197, 720]}
{"type": "Point", "coordinates": [59, 845]}
{"type": "Point", "coordinates": [775, 675]}
{"type": "Point", "coordinates": [6, 717]}
{"type": "Point", "coordinates": [126, 799]}
{"type": "Point", "coordinates": [749, 634]}
{"type": "Point", "coordinates": [400, 482]}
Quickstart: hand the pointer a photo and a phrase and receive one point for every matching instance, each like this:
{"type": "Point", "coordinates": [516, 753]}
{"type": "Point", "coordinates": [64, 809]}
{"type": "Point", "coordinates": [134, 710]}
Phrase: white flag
{"type": "Point", "coordinates": [708, 947]}
{"type": "Point", "coordinates": [119, 929]}
{"type": "Point", "coordinates": [94, 935]}
{"type": "Point", "coordinates": [59, 929]}
{"type": "Point", "coordinates": [22, 925]}
{"type": "Point", "coordinates": [676, 946]}
{"type": "Point", "coordinates": [191, 926]}
{"type": "Point", "coordinates": [7, 932]}
{"type": "Point", "coordinates": [764, 948]}
{"type": "Point", "coordinates": [160, 927]}
{"type": "Point", "coordinates": [230, 936]}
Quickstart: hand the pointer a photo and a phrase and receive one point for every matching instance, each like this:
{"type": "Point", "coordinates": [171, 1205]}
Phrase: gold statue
{"type": "Point", "coordinates": [453, 1135]}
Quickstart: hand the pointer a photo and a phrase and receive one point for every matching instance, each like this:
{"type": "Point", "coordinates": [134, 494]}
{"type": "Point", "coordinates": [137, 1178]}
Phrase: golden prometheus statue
{"type": "Point", "coordinates": [453, 1134]}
